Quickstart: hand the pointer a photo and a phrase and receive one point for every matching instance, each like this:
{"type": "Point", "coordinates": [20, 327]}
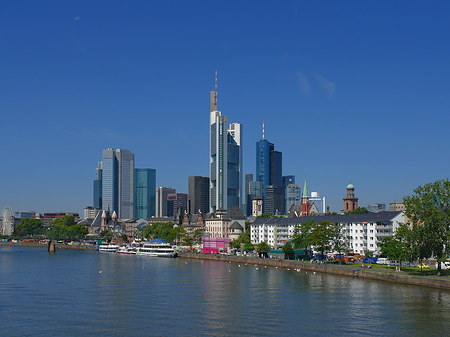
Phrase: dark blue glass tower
{"type": "Point", "coordinates": [145, 193]}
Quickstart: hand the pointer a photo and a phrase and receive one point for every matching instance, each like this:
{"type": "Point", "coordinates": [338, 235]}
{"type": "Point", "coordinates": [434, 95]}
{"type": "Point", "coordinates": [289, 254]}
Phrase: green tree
{"type": "Point", "coordinates": [359, 210]}
{"type": "Point", "coordinates": [302, 237]}
{"type": "Point", "coordinates": [162, 230]}
{"type": "Point", "coordinates": [288, 250]}
{"type": "Point", "coordinates": [64, 222]}
{"type": "Point", "coordinates": [429, 207]}
{"type": "Point", "coordinates": [321, 236]}
{"type": "Point", "coordinates": [106, 235]}
{"type": "Point", "coordinates": [391, 247]}
{"type": "Point", "coordinates": [262, 247]}
{"type": "Point", "coordinates": [178, 234]}
{"type": "Point", "coordinates": [29, 226]}
{"type": "Point", "coordinates": [339, 241]}
{"type": "Point", "coordinates": [198, 235]}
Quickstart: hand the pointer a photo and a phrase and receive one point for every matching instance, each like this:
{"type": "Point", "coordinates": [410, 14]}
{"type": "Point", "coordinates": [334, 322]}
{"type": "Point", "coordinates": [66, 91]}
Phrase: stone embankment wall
{"type": "Point", "coordinates": [381, 275]}
{"type": "Point", "coordinates": [44, 245]}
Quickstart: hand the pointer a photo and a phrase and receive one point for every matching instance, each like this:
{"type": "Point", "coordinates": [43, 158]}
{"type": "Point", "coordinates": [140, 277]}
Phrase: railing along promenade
{"type": "Point", "coordinates": [441, 282]}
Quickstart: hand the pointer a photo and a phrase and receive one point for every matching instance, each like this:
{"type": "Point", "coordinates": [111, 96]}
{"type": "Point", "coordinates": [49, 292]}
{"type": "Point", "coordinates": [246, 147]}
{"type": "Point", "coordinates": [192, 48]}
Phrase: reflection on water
{"type": "Point", "coordinates": [90, 293]}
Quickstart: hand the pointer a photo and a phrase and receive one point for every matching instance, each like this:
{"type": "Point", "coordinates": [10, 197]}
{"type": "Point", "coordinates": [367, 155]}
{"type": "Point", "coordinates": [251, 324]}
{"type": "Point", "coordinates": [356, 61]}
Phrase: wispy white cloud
{"type": "Point", "coordinates": [326, 84]}
{"type": "Point", "coordinates": [77, 18]}
{"type": "Point", "coordinates": [304, 83]}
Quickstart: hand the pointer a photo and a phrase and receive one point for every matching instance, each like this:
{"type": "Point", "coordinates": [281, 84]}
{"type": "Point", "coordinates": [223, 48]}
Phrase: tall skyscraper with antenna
{"type": "Point", "coordinates": [225, 158]}
{"type": "Point", "coordinates": [269, 168]}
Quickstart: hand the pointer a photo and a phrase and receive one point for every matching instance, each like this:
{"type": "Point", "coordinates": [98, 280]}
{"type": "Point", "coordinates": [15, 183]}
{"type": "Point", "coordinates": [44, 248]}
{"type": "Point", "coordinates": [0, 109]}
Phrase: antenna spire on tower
{"type": "Point", "coordinates": [215, 90]}
{"type": "Point", "coordinates": [263, 129]}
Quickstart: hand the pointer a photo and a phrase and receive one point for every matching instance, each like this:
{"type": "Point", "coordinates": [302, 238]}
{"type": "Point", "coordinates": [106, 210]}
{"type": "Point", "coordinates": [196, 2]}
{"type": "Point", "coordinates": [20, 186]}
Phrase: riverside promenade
{"type": "Point", "coordinates": [45, 245]}
{"type": "Point", "coordinates": [441, 282]}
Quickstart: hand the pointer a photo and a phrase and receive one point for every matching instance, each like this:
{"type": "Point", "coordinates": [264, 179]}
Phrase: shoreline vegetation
{"type": "Point", "coordinates": [45, 245]}
{"type": "Point", "coordinates": [440, 282]}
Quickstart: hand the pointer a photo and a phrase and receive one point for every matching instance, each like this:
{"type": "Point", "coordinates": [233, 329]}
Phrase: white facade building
{"type": "Point", "coordinates": [364, 231]}
{"type": "Point", "coordinates": [218, 227]}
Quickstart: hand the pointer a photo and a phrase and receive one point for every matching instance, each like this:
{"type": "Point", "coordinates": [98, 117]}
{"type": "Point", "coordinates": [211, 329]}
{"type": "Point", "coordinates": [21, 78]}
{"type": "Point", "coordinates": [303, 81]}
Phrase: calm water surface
{"type": "Point", "coordinates": [78, 293]}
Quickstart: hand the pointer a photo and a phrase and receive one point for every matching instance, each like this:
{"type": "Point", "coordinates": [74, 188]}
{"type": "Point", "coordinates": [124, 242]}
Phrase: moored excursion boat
{"type": "Point", "coordinates": [156, 249]}
{"type": "Point", "coordinates": [109, 247]}
{"type": "Point", "coordinates": [126, 250]}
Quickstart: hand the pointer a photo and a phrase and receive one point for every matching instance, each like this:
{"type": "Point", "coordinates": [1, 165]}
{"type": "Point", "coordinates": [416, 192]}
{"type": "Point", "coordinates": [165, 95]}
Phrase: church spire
{"type": "Point", "coordinates": [305, 190]}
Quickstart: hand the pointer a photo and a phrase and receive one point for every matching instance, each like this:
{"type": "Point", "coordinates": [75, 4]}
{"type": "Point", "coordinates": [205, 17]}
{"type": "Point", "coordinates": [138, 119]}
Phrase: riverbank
{"type": "Point", "coordinates": [380, 275]}
{"type": "Point", "coordinates": [44, 245]}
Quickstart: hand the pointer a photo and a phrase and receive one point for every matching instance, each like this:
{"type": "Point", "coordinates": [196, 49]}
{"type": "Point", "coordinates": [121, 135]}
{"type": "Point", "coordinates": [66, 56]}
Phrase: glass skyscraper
{"type": "Point", "coordinates": [98, 186]}
{"type": "Point", "coordinates": [225, 159]}
{"type": "Point", "coordinates": [145, 193]}
{"type": "Point", "coordinates": [269, 170]}
{"type": "Point", "coordinates": [118, 182]}
{"type": "Point", "coordinates": [293, 196]}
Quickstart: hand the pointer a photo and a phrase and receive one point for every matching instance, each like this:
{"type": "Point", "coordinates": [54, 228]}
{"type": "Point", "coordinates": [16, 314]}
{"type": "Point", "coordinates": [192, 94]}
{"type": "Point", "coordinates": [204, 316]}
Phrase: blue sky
{"type": "Point", "coordinates": [347, 89]}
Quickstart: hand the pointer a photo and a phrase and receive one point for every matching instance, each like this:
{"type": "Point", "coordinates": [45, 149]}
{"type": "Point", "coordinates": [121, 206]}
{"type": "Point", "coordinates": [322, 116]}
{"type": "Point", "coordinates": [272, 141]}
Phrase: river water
{"type": "Point", "coordinates": [86, 293]}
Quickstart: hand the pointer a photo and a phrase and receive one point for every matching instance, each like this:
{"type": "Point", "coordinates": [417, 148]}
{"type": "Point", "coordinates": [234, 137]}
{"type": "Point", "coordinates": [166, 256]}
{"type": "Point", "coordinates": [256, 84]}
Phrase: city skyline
{"type": "Point", "coordinates": [347, 91]}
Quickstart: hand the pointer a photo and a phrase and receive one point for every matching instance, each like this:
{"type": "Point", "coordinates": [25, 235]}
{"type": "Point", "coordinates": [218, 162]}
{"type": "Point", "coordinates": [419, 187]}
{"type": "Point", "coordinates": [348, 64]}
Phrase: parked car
{"type": "Point", "coordinates": [382, 260]}
{"type": "Point", "coordinates": [393, 263]}
{"type": "Point", "coordinates": [370, 260]}
{"type": "Point", "coordinates": [423, 266]}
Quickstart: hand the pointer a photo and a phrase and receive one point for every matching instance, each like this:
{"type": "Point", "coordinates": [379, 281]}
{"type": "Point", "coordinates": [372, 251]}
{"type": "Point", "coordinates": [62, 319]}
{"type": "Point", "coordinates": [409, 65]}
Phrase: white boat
{"type": "Point", "coordinates": [109, 247]}
{"type": "Point", "coordinates": [126, 250]}
{"type": "Point", "coordinates": [156, 249]}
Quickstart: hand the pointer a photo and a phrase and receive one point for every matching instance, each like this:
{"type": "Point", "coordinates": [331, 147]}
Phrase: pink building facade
{"type": "Point", "coordinates": [215, 245]}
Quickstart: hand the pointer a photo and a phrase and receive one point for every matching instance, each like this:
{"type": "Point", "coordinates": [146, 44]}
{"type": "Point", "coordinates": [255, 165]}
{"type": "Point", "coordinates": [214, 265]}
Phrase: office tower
{"type": "Point", "coordinates": [176, 203]}
{"type": "Point", "coordinates": [276, 168]}
{"type": "Point", "coordinates": [98, 186]}
{"type": "Point", "coordinates": [292, 196]}
{"type": "Point", "coordinates": [198, 195]}
{"type": "Point", "coordinates": [247, 201]}
{"type": "Point", "coordinates": [161, 200]}
{"type": "Point", "coordinates": [255, 189]}
{"type": "Point", "coordinates": [145, 193]}
{"type": "Point", "coordinates": [274, 200]}
{"type": "Point", "coordinates": [234, 165]}
{"type": "Point", "coordinates": [268, 166]}
{"type": "Point", "coordinates": [118, 182]}
{"type": "Point", "coordinates": [287, 180]}
{"type": "Point", "coordinates": [225, 158]}
{"type": "Point", "coordinates": [263, 150]}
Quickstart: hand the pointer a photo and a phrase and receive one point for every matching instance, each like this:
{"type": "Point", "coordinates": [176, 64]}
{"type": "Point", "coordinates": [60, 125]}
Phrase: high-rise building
{"type": "Point", "coordinates": [145, 193]}
{"type": "Point", "coordinates": [98, 186]}
{"type": "Point", "coordinates": [268, 167]}
{"type": "Point", "coordinates": [287, 180]}
{"type": "Point", "coordinates": [198, 195]}
{"type": "Point", "coordinates": [176, 202]}
{"type": "Point", "coordinates": [274, 199]}
{"type": "Point", "coordinates": [247, 201]}
{"type": "Point", "coordinates": [225, 158]}
{"type": "Point", "coordinates": [234, 165]}
{"type": "Point", "coordinates": [276, 168]}
{"type": "Point", "coordinates": [263, 157]}
{"type": "Point", "coordinates": [293, 196]}
{"type": "Point", "coordinates": [161, 200]}
{"type": "Point", "coordinates": [118, 182]}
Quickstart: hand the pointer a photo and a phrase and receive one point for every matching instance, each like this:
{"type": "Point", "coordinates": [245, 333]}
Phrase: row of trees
{"type": "Point", "coordinates": [61, 228]}
{"type": "Point", "coordinates": [428, 233]}
{"type": "Point", "coordinates": [166, 230]}
{"type": "Point", "coordinates": [324, 236]}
